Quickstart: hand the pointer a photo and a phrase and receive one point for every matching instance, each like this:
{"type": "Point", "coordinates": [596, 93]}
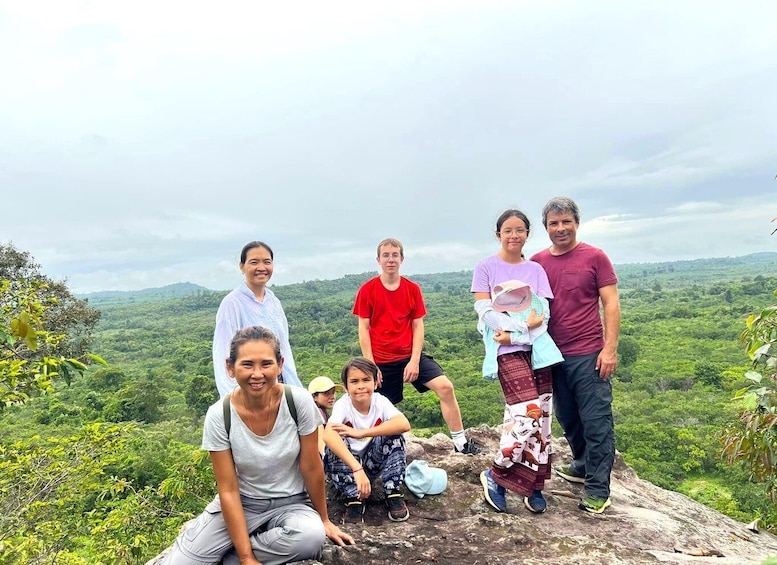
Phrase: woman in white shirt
{"type": "Point", "coordinates": [251, 304]}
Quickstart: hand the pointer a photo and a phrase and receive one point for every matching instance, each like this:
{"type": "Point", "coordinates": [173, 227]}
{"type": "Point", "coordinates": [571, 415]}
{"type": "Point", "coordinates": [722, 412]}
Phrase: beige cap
{"type": "Point", "coordinates": [322, 384]}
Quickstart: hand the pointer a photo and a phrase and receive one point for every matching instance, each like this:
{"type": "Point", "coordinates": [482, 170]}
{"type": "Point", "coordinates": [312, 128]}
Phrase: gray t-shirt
{"type": "Point", "coordinates": [267, 466]}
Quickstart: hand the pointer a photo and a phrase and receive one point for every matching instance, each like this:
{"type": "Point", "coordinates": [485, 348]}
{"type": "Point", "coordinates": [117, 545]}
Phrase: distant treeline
{"type": "Point", "coordinates": [680, 365]}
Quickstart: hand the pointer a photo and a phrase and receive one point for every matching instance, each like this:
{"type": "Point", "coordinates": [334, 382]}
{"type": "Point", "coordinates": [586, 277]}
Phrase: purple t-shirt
{"type": "Point", "coordinates": [576, 277]}
{"type": "Point", "coordinates": [493, 270]}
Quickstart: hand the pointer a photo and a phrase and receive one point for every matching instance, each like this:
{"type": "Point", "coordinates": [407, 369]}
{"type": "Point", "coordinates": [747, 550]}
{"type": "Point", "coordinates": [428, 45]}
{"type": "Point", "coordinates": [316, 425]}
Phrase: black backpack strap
{"type": "Point", "coordinates": [227, 413]}
{"type": "Point", "coordinates": [290, 401]}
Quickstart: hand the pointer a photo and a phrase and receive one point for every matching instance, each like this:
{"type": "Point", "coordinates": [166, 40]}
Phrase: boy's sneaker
{"type": "Point", "coordinates": [567, 473]}
{"type": "Point", "coordinates": [494, 493]}
{"type": "Point", "coordinates": [397, 509]}
{"type": "Point", "coordinates": [594, 504]}
{"type": "Point", "coordinates": [354, 512]}
{"type": "Point", "coordinates": [536, 502]}
{"type": "Point", "coordinates": [470, 448]}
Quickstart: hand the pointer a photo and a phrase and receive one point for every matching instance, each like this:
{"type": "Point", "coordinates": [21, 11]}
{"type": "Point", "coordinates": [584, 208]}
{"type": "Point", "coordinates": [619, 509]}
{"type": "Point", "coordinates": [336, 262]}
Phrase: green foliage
{"type": "Point", "coordinates": [199, 395]}
{"type": "Point", "coordinates": [139, 401]}
{"type": "Point", "coordinates": [71, 500]}
{"type": "Point", "coordinates": [753, 437]}
{"type": "Point", "coordinates": [708, 373]}
{"type": "Point", "coordinates": [628, 350]}
{"type": "Point", "coordinates": [29, 358]}
{"type": "Point", "coordinates": [65, 316]}
{"type": "Point", "coordinates": [128, 530]}
{"type": "Point", "coordinates": [671, 395]}
{"type": "Point", "coordinates": [48, 487]}
{"type": "Point", "coordinates": [107, 379]}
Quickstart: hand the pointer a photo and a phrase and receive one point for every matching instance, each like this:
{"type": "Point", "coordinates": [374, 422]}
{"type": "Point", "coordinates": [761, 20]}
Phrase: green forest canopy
{"type": "Point", "coordinates": [140, 418]}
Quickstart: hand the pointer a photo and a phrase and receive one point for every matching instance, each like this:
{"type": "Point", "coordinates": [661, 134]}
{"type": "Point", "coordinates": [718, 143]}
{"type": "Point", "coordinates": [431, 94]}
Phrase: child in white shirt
{"type": "Point", "coordinates": [363, 441]}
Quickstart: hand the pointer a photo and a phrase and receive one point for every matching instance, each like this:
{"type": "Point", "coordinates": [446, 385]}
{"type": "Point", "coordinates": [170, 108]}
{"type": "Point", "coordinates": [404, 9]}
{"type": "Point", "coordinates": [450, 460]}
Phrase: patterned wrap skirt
{"type": "Point", "coordinates": [523, 462]}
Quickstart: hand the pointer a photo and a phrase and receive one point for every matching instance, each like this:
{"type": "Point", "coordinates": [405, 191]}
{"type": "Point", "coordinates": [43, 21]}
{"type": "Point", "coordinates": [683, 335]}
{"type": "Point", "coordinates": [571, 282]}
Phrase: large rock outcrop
{"type": "Point", "coordinates": [645, 524]}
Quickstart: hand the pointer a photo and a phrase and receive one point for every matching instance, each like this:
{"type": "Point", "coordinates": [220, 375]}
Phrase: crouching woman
{"type": "Point", "coordinates": [271, 504]}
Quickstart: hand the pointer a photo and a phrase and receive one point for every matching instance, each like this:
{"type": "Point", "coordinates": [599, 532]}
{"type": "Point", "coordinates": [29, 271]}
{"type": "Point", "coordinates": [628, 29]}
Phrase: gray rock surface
{"type": "Point", "coordinates": [645, 524]}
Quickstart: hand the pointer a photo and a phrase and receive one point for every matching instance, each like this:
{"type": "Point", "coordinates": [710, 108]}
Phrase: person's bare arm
{"type": "Point", "coordinates": [411, 369]}
{"type": "Point", "coordinates": [607, 361]}
{"type": "Point", "coordinates": [394, 426]}
{"type": "Point", "coordinates": [231, 506]}
{"type": "Point", "coordinates": [365, 343]}
{"type": "Point", "coordinates": [313, 474]}
{"type": "Point", "coordinates": [337, 446]}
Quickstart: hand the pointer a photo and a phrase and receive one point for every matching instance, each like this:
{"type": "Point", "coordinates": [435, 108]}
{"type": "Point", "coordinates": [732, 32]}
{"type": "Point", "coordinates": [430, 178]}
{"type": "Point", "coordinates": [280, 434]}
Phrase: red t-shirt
{"type": "Point", "coordinates": [575, 279]}
{"type": "Point", "coordinates": [391, 314]}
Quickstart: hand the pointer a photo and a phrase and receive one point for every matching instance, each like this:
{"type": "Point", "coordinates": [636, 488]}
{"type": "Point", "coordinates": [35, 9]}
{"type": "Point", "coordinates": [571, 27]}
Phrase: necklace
{"type": "Point", "coordinates": [251, 422]}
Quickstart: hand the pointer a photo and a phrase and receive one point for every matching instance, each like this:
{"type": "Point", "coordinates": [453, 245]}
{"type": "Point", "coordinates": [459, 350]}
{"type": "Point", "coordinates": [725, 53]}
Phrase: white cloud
{"type": "Point", "coordinates": [139, 147]}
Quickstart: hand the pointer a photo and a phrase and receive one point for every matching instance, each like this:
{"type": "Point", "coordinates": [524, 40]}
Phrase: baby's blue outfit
{"type": "Point", "coordinates": [544, 351]}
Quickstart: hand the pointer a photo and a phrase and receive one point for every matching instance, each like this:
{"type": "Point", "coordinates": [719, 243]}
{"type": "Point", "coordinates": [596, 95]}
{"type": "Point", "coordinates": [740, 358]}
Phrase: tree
{"type": "Point", "coordinates": [140, 401]}
{"type": "Point", "coordinates": [31, 355]}
{"type": "Point", "coordinates": [708, 373]}
{"type": "Point", "coordinates": [628, 350]}
{"type": "Point", "coordinates": [44, 329]}
{"type": "Point", "coordinates": [65, 315]}
{"type": "Point", "coordinates": [200, 394]}
{"type": "Point", "coordinates": [108, 379]}
{"type": "Point", "coordinates": [752, 438]}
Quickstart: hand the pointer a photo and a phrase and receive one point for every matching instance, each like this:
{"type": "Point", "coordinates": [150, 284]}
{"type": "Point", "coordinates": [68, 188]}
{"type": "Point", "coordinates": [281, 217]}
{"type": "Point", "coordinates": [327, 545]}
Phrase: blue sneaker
{"type": "Point", "coordinates": [536, 502]}
{"type": "Point", "coordinates": [495, 494]}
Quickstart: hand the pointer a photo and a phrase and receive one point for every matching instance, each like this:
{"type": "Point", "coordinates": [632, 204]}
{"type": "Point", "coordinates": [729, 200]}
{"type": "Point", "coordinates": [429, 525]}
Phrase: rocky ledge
{"type": "Point", "coordinates": [645, 524]}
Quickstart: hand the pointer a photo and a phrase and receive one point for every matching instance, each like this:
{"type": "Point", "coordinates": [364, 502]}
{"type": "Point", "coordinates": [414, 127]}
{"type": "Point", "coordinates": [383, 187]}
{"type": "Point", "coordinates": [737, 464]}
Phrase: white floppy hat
{"type": "Point", "coordinates": [514, 294]}
{"type": "Point", "coordinates": [422, 479]}
{"type": "Point", "coordinates": [323, 384]}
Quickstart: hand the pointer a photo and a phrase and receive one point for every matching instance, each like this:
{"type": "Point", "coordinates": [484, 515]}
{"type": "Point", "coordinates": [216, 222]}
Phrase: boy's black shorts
{"type": "Point", "coordinates": [393, 372]}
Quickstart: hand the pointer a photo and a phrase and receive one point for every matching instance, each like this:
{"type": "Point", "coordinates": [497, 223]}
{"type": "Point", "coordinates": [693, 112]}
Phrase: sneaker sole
{"type": "Point", "coordinates": [593, 510]}
{"type": "Point", "coordinates": [484, 482]}
{"type": "Point", "coordinates": [570, 478]}
{"type": "Point", "coordinates": [529, 506]}
{"type": "Point", "coordinates": [399, 519]}
{"type": "Point", "coordinates": [361, 516]}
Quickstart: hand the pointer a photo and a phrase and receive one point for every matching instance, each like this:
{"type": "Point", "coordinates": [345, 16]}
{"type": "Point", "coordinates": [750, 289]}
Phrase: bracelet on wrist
{"type": "Point", "coordinates": [357, 470]}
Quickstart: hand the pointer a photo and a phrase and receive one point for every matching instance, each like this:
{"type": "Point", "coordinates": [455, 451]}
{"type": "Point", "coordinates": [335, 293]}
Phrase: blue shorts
{"type": "Point", "coordinates": [393, 372]}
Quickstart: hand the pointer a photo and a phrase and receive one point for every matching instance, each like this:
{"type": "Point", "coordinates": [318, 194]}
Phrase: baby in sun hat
{"type": "Point", "coordinates": [515, 300]}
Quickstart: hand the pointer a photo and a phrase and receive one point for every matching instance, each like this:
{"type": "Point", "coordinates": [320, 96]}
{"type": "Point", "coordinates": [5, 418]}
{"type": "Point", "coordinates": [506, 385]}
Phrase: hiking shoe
{"type": "Point", "coordinates": [354, 512]}
{"type": "Point", "coordinates": [536, 502]}
{"type": "Point", "coordinates": [594, 504]}
{"type": "Point", "coordinates": [397, 509]}
{"type": "Point", "coordinates": [494, 493]}
{"type": "Point", "coordinates": [470, 448]}
{"type": "Point", "coordinates": [567, 473]}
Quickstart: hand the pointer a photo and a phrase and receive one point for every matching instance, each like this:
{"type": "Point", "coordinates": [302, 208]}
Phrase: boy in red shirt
{"type": "Point", "coordinates": [391, 314]}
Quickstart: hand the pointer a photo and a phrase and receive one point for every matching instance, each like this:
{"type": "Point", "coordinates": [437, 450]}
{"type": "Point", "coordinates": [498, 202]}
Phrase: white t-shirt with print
{"type": "Point", "coordinates": [344, 412]}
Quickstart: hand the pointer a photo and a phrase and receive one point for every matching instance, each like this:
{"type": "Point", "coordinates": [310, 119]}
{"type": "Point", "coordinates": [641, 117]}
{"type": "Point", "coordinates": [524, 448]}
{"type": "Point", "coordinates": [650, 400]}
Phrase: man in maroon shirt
{"type": "Point", "coordinates": [581, 277]}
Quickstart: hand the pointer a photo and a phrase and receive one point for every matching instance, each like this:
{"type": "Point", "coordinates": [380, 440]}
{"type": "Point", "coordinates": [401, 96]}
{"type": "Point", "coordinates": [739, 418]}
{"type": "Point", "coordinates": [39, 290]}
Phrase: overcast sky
{"type": "Point", "coordinates": [143, 143]}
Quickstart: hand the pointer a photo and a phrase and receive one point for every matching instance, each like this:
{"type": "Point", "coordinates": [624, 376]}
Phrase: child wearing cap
{"type": "Point", "coordinates": [323, 391]}
{"type": "Point", "coordinates": [364, 441]}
